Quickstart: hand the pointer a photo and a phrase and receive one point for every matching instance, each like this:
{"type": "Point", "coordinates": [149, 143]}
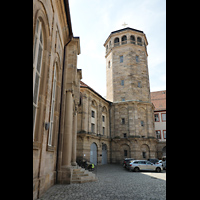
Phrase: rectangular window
{"type": "Point", "coordinates": [121, 59]}
{"type": "Point", "coordinates": [103, 130]}
{"type": "Point", "coordinates": [125, 152]}
{"type": "Point", "coordinates": [124, 135]}
{"type": "Point", "coordinates": [103, 118]}
{"type": "Point", "coordinates": [92, 128]}
{"type": "Point", "coordinates": [163, 115]}
{"type": "Point", "coordinates": [156, 116]}
{"type": "Point", "coordinates": [164, 134]}
{"type": "Point", "coordinates": [139, 84]}
{"type": "Point", "coordinates": [122, 82]}
{"type": "Point", "coordinates": [93, 114]}
{"type": "Point", "coordinates": [142, 123]}
{"type": "Point", "coordinates": [144, 156]}
{"type": "Point", "coordinates": [123, 98]}
{"type": "Point", "coordinates": [123, 120]}
{"type": "Point", "coordinates": [158, 135]}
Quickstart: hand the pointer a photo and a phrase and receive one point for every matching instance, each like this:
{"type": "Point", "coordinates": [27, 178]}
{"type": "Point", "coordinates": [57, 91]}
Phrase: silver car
{"type": "Point", "coordinates": [137, 165]}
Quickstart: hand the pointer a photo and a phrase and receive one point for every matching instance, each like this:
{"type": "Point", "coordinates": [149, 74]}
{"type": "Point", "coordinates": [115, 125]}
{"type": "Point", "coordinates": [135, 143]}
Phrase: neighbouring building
{"type": "Point", "coordinates": [159, 100]}
{"type": "Point", "coordinates": [56, 94]}
{"type": "Point", "coordinates": [93, 137]}
{"type": "Point", "coordinates": [123, 125]}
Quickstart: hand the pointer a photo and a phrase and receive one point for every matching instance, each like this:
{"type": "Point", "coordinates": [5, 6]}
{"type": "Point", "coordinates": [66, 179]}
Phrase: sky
{"type": "Point", "coordinates": [94, 20]}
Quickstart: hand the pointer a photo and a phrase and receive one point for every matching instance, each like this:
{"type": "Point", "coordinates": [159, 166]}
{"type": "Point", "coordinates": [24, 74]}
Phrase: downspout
{"type": "Point", "coordinates": [67, 12]}
{"type": "Point", "coordinates": [110, 133]}
{"type": "Point", "coordinates": [58, 140]}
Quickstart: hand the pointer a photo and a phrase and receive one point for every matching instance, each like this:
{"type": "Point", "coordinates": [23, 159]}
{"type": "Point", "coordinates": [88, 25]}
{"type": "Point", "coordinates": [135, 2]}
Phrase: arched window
{"type": "Point", "coordinates": [124, 39]}
{"type": "Point", "coordinates": [37, 64]}
{"type": "Point", "coordinates": [116, 42]}
{"type": "Point", "coordinates": [109, 64]}
{"type": "Point", "coordinates": [53, 99]}
{"type": "Point", "coordinates": [132, 38]}
{"type": "Point", "coordinates": [139, 41]}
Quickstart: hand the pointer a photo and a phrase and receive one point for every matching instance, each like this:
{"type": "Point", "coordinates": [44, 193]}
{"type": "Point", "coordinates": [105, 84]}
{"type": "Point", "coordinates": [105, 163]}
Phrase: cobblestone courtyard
{"type": "Point", "coordinates": [114, 183]}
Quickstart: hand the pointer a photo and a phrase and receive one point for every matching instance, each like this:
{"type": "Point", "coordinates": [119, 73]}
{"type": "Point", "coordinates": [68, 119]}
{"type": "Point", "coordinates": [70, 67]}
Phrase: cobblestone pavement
{"type": "Point", "coordinates": [114, 183]}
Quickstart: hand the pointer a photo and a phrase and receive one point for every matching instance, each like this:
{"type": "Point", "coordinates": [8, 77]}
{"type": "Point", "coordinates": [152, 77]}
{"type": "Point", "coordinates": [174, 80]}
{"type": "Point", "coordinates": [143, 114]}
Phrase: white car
{"type": "Point", "coordinates": [137, 165]}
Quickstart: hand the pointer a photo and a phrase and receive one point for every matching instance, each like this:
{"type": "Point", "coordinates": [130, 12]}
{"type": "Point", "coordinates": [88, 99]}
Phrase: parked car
{"type": "Point", "coordinates": [160, 162]}
{"type": "Point", "coordinates": [153, 160]}
{"type": "Point", "coordinates": [137, 165]}
{"type": "Point", "coordinates": [126, 161]}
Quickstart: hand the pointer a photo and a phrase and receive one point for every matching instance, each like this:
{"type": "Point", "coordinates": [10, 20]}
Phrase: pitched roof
{"type": "Point", "coordinates": [83, 85]}
{"type": "Point", "coordinates": [158, 98]}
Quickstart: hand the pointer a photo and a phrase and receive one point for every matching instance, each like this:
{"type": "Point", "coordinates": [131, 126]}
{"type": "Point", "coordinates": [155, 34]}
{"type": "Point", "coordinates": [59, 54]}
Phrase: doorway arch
{"type": "Point", "coordinates": [93, 153]}
{"type": "Point", "coordinates": [104, 154]}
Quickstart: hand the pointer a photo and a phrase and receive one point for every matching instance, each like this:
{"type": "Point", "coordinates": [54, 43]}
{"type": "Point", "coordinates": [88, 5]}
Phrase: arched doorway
{"type": "Point", "coordinates": [104, 154]}
{"type": "Point", "coordinates": [93, 153]}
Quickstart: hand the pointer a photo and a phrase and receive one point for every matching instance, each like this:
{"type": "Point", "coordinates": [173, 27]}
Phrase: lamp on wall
{"type": "Point", "coordinates": [46, 125]}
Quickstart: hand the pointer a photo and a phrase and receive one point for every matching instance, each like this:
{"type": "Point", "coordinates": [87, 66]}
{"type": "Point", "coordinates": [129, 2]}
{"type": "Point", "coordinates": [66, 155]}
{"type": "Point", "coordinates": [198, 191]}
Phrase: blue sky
{"type": "Point", "coordinates": [94, 20]}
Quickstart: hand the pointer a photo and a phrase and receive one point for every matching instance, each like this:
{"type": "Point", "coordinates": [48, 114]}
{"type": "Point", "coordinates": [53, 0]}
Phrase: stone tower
{"type": "Point", "coordinates": [132, 119]}
{"type": "Point", "coordinates": [126, 66]}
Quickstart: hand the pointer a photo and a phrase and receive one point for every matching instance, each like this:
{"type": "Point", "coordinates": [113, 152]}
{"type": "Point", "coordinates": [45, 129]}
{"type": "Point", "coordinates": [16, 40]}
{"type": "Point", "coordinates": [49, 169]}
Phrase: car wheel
{"type": "Point", "coordinates": [136, 169]}
{"type": "Point", "coordinates": [158, 169]}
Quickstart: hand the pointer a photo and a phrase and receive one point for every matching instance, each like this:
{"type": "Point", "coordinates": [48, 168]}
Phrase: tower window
{"type": "Point", "coordinates": [137, 59]}
{"type": "Point", "coordinates": [109, 64]}
{"type": "Point", "coordinates": [132, 39]}
{"type": "Point", "coordinates": [139, 84]}
{"type": "Point", "coordinates": [122, 82]}
{"type": "Point", "coordinates": [116, 42]}
{"type": "Point", "coordinates": [124, 135]}
{"type": "Point", "coordinates": [93, 114]}
{"type": "Point", "coordinates": [124, 39]}
{"type": "Point", "coordinates": [121, 59]}
{"type": "Point", "coordinates": [123, 120]}
{"type": "Point", "coordinates": [123, 98]}
{"type": "Point", "coordinates": [139, 41]}
{"type": "Point", "coordinates": [142, 123]}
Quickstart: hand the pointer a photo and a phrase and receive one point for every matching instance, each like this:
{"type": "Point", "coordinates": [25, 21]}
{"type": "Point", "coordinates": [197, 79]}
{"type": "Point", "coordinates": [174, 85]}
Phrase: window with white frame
{"type": "Point", "coordinates": [53, 99]}
{"type": "Point", "coordinates": [164, 134]}
{"type": "Point", "coordinates": [158, 134]}
{"type": "Point", "coordinates": [37, 63]}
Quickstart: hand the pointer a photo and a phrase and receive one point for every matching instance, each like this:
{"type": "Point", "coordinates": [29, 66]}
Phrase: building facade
{"type": "Point", "coordinates": [159, 100]}
{"type": "Point", "coordinates": [122, 125]}
{"type": "Point", "coordinates": [56, 94]}
{"type": "Point", "coordinates": [93, 136]}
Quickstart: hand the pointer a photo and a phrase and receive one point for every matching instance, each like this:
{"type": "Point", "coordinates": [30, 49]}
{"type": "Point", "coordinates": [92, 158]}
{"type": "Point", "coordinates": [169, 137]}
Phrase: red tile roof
{"type": "Point", "coordinates": [159, 100]}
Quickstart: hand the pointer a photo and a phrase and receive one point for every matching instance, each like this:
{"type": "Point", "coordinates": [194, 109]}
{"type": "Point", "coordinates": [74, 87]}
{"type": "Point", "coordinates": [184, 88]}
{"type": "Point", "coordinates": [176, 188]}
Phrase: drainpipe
{"type": "Point", "coordinates": [110, 133]}
{"type": "Point", "coordinates": [67, 12]}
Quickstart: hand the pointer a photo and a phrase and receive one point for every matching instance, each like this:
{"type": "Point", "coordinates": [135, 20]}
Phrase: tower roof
{"type": "Point", "coordinates": [121, 30]}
